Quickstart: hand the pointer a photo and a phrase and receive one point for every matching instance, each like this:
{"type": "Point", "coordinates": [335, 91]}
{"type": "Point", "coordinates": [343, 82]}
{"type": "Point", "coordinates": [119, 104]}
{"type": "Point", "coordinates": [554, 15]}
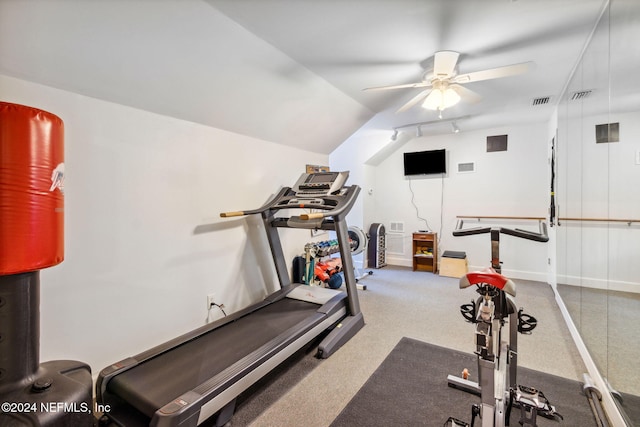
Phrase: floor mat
{"type": "Point", "coordinates": [410, 388]}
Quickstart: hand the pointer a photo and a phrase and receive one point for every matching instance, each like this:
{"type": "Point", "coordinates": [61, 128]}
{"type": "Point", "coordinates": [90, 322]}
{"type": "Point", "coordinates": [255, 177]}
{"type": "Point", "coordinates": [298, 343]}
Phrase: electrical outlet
{"type": "Point", "coordinates": [210, 300]}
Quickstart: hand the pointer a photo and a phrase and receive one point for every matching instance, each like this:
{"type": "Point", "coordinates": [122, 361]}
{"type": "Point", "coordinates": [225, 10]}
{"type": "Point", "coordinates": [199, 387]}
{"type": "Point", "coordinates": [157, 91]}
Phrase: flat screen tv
{"type": "Point", "coordinates": [425, 162]}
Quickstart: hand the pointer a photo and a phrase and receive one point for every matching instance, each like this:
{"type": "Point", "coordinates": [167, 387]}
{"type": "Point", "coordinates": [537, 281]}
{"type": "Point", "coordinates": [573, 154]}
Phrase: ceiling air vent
{"type": "Point", "coordinates": [581, 94]}
{"type": "Point", "coordinates": [541, 101]}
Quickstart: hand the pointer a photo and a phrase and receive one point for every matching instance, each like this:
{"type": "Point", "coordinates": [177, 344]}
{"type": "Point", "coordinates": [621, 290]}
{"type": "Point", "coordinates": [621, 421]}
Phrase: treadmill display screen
{"type": "Point", "coordinates": [319, 184]}
{"type": "Point", "coordinates": [322, 177]}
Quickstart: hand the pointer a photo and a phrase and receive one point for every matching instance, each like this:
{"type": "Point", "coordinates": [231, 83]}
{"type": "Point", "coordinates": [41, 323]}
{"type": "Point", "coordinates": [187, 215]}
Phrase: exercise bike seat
{"type": "Point", "coordinates": [491, 277]}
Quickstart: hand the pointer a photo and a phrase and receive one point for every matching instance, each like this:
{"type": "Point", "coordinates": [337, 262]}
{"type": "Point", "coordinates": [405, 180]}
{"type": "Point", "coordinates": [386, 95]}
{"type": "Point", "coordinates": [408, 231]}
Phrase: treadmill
{"type": "Point", "coordinates": [195, 378]}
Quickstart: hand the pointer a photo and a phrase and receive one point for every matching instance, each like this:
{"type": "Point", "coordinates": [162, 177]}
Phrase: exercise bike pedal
{"type": "Point", "coordinates": [526, 323]}
{"type": "Point", "coordinates": [468, 311]}
{"type": "Point", "coordinates": [532, 402]}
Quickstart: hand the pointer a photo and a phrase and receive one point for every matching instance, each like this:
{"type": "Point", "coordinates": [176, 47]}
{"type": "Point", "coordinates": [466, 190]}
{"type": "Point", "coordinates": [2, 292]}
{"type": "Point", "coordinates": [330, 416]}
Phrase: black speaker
{"type": "Point", "coordinates": [376, 254]}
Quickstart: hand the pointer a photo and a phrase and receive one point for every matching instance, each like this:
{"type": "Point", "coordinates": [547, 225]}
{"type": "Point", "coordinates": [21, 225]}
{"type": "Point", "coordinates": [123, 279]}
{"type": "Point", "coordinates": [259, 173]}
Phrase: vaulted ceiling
{"type": "Point", "coordinates": [292, 71]}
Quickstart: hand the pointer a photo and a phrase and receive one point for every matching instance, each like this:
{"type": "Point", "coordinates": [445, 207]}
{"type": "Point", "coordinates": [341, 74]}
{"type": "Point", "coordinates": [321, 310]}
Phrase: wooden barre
{"type": "Point", "coordinates": [502, 217]}
{"type": "Point", "coordinates": [600, 219]}
{"type": "Point", "coordinates": [627, 221]}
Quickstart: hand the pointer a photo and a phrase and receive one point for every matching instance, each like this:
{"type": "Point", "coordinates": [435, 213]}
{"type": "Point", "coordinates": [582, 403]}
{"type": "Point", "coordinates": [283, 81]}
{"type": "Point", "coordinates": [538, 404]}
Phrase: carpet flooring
{"type": "Point", "coordinates": [410, 389]}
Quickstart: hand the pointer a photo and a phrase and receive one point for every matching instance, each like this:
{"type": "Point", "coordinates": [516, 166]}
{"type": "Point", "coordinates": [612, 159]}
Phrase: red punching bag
{"type": "Point", "coordinates": [31, 238]}
{"type": "Point", "coordinates": [31, 189]}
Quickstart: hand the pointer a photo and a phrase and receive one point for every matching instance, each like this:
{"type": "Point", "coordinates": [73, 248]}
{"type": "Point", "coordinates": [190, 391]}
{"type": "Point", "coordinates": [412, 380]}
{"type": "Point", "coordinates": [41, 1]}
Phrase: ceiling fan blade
{"type": "Point", "coordinates": [493, 73]}
{"type": "Point", "coordinates": [444, 63]}
{"type": "Point", "coordinates": [408, 85]}
{"type": "Point", "coordinates": [466, 94]}
{"type": "Point", "coordinates": [413, 101]}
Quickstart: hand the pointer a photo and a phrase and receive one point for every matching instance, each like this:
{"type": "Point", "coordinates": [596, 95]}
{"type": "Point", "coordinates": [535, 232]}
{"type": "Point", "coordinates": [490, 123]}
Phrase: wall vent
{"type": "Point", "coordinates": [396, 227]}
{"type": "Point", "coordinates": [541, 101]}
{"type": "Point", "coordinates": [608, 132]}
{"type": "Point", "coordinates": [581, 94]}
{"type": "Point", "coordinates": [466, 167]}
{"type": "Point", "coordinates": [497, 143]}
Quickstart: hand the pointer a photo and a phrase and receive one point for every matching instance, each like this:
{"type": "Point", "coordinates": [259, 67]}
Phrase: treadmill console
{"type": "Point", "coordinates": [311, 185]}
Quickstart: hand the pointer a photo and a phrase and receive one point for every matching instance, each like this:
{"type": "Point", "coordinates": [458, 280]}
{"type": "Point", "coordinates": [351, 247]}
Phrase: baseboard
{"type": "Point", "coordinates": [398, 261]}
{"type": "Point", "coordinates": [589, 282]}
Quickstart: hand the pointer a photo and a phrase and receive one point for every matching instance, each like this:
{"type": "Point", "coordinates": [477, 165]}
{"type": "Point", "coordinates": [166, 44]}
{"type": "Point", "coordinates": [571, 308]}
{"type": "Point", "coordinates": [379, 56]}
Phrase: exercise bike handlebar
{"type": "Point", "coordinates": [541, 236]}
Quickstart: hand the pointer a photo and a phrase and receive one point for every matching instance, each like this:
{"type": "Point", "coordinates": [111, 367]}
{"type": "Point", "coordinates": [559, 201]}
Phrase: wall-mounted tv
{"type": "Point", "coordinates": [425, 162]}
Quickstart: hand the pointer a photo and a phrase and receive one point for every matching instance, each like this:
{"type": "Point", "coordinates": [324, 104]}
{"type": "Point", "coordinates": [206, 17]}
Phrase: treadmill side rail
{"type": "Point", "coordinates": [342, 333]}
{"type": "Point", "coordinates": [185, 408]}
{"type": "Point", "coordinates": [111, 371]}
{"type": "Point", "coordinates": [203, 402]}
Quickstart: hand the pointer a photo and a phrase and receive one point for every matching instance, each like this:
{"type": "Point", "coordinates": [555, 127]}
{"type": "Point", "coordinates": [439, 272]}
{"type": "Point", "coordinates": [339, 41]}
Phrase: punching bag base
{"type": "Point", "coordinates": [60, 395]}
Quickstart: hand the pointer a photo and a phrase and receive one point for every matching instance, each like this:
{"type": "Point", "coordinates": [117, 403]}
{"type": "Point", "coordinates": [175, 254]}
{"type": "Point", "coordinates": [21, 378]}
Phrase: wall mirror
{"type": "Point", "coordinates": [598, 193]}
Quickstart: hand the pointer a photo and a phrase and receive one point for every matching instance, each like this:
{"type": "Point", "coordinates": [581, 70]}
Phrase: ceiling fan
{"type": "Point", "coordinates": [444, 85]}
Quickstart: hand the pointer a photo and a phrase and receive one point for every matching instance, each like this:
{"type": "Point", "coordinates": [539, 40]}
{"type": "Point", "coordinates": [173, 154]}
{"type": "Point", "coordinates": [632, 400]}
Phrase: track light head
{"type": "Point", "coordinates": [454, 127]}
{"type": "Point", "coordinates": [395, 135]}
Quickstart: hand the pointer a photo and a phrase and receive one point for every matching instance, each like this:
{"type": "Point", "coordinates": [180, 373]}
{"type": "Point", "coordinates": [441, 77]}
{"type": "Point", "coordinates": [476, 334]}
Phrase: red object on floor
{"type": "Point", "coordinates": [31, 189]}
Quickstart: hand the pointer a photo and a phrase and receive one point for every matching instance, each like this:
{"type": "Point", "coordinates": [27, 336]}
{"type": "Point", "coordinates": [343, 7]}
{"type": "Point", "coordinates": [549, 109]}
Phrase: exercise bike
{"type": "Point", "coordinates": [497, 348]}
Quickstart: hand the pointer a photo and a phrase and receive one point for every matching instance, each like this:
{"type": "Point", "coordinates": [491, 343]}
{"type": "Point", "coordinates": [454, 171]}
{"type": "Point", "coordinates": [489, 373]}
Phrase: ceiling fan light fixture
{"type": "Point", "coordinates": [444, 86]}
{"type": "Point", "coordinates": [450, 98]}
{"type": "Point", "coordinates": [441, 98]}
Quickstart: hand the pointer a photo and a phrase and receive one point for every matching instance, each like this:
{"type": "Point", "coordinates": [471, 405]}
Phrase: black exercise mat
{"type": "Point", "coordinates": [631, 406]}
{"type": "Point", "coordinates": [410, 388]}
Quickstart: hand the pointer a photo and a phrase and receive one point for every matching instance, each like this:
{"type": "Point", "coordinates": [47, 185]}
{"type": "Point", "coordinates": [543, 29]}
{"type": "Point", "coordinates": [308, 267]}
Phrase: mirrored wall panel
{"type": "Point", "coordinates": [598, 193]}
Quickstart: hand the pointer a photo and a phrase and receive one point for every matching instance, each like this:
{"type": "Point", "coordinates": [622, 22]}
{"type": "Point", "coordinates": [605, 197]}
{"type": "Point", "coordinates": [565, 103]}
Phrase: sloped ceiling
{"type": "Point", "coordinates": [292, 71]}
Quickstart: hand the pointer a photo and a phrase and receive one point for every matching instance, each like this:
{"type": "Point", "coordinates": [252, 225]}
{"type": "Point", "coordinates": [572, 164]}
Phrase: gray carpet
{"type": "Point", "coordinates": [410, 389]}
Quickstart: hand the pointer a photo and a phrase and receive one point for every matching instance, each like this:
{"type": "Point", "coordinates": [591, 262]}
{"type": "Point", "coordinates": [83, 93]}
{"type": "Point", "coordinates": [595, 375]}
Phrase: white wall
{"type": "Point", "coordinates": [599, 181]}
{"type": "Point", "coordinates": [511, 183]}
{"type": "Point", "coordinates": [353, 156]}
{"type": "Point", "coordinates": [144, 241]}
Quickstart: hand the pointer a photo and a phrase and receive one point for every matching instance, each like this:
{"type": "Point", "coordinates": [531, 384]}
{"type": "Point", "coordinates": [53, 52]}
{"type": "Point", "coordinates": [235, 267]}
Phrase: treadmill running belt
{"type": "Point", "coordinates": [158, 381]}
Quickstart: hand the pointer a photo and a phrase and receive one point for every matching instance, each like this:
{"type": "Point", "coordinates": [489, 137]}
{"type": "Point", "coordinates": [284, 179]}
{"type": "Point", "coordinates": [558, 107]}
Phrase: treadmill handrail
{"type": "Point", "coordinates": [541, 236]}
{"type": "Point", "coordinates": [271, 203]}
{"type": "Point", "coordinates": [338, 204]}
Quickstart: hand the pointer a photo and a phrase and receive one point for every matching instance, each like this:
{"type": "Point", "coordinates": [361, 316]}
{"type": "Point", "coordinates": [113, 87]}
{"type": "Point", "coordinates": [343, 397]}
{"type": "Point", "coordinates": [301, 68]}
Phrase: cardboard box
{"type": "Point", "coordinates": [453, 264]}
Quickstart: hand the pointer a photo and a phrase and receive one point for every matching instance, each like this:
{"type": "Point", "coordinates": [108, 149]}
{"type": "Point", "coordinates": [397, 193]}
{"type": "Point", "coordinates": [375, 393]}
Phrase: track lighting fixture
{"type": "Point", "coordinates": [418, 126]}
